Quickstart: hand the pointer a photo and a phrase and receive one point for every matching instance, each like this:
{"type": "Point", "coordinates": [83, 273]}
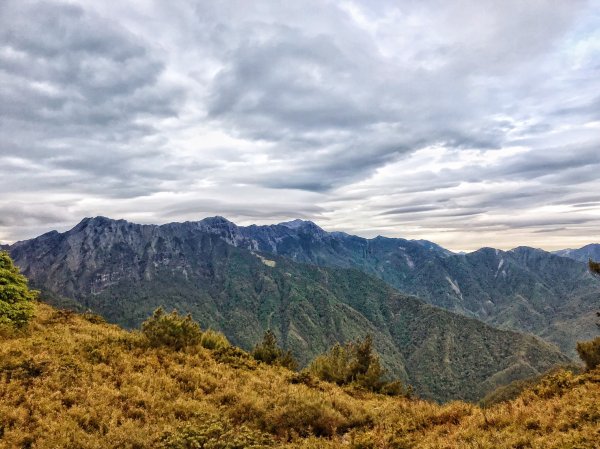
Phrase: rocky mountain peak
{"type": "Point", "coordinates": [93, 221]}
{"type": "Point", "coordinates": [222, 227]}
{"type": "Point", "coordinates": [217, 220]}
{"type": "Point", "coordinates": [98, 222]}
{"type": "Point", "coordinates": [300, 224]}
{"type": "Point", "coordinates": [304, 227]}
{"type": "Point", "coordinates": [591, 251]}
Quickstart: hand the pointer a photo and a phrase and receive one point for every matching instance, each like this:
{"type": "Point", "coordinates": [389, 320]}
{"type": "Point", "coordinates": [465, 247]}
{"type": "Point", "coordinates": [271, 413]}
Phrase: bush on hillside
{"type": "Point", "coordinates": [16, 299]}
{"type": "Point", "coordinates": [214, 433]}
{"type": "Point", "coordinates": [355, 363]}
{"type": "Point", "coordinates": [589, 352]}
{"type": "Point", "coordinates": [93, 318]}
{"type": "Point", "coordinates": [235, 357]}
{"type": "Point", "coordinates": [213, 340]}
{"type": "Point", "coordinates": [172, 330]}
{"type": "Point", "coordinates": [269, 352]}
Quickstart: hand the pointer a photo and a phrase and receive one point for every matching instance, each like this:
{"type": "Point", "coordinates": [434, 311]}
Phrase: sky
{"type": "Point", "coordinates": [468, 123]}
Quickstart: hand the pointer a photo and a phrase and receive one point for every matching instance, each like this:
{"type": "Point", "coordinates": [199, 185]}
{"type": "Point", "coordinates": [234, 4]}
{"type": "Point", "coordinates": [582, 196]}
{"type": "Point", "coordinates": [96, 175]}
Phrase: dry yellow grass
{"type": "Point", "coordinates": [67, 382]}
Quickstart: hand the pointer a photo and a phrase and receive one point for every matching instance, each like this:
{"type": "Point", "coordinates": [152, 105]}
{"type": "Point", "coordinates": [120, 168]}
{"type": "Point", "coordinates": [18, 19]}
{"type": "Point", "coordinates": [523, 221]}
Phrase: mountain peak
{"type": "Point", "coordinates": [583, 254]}
{"type": "Point", "coordinates": [299, 224]}
{"type": "Point", "coordinates": [295, 224]}
{"type": "Point", "coordinates": [94, 221]}
{"type": "Point", "coordinates": [217, 220]}
{"type": "Point", "coordinates": [527, 250]}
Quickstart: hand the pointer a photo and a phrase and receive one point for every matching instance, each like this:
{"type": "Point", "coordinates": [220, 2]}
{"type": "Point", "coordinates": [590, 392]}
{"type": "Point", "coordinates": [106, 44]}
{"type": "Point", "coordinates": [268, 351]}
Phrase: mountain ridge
{"type": "Point", "coordinates": [508, 289]}
{"type": "Point", "coordinates": [123, 271]}
{"type": "Point", "coordinates": [523, 289]}
{"type": "Point", "coordinates": [583, 254]}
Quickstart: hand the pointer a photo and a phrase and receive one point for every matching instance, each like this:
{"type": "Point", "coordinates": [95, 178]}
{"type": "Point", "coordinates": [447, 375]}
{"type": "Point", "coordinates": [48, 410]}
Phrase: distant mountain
{"type": "Point", "coordinates": [124, 270]}
{"type": "Point", "coordinates": [524, 289]}
{"type": "Point", "coordinates": [583, 254]}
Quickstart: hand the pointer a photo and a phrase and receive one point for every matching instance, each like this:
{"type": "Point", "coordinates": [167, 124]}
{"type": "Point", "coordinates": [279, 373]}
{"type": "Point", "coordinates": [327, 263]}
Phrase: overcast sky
{"type": "Point", "coordinates": [469, 123]}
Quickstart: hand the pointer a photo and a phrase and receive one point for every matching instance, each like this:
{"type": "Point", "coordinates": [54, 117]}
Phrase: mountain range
{"type": "Point", "coordinates": [315, 288]}
{"type": "Point", "coordinates": [524, 289]}
{"type": "Point", "coordinates": [583, 254]}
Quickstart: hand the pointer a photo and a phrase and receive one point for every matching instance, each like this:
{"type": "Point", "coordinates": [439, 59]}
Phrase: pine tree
{"type": "Point", "coordinates": [363, 357]}
{"type": "Point", "coordinates": [16, 299]}
{"type": "Point", "coordinates": [355, 363]}
{"type": "Point", "coordinates": [269, 352]}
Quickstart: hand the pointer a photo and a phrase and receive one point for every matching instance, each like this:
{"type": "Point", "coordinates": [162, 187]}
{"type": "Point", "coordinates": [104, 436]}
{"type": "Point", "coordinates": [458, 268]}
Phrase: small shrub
{"type": "Point", "coordinates": [24, 370]}
{"type": "Point", "coordinates": [172, 330]}
{"type": "Point", "coordinates": [213, 340]}
{"type": "Point", "coordinates": [62, 316]}
{"type": "Point", "coordinates": [395, 388]}
{"type": "Point", "coordinates": [304, 417]}
{"type": "Point", "coordinates": [334, 366]}
{"type": "Point", "coordinates": [214, 434]}
{"type": "Point", "coordinates": [93, 318]}
{"type": "Point", "coordinates": [234, 357]}
{"type": "Point", "coordinates": [99, 352]}
{"type": "Point", "coordinates": [589, 352]}
{"type": "Point", "coordinates": [555, 384]}
{"type": "Point", "coordinates": [303, 377]}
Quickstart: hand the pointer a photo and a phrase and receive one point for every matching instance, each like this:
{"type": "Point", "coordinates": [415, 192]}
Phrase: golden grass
{"type": "Point", "coordinates": [72, 382]}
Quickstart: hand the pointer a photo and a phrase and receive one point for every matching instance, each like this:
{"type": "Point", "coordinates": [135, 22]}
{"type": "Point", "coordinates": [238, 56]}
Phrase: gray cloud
{"type": "Point", "coordinates": [78, 90]}
{"type": "Point", "coordinates": [417, 119]}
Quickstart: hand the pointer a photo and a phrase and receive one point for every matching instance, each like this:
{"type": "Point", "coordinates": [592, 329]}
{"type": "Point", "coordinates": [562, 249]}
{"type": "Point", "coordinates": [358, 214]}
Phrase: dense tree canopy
{"type": "Point", "coordinates": [16, 307]}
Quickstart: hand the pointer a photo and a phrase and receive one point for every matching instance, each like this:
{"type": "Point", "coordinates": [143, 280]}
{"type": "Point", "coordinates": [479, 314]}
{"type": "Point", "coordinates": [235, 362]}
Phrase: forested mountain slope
{"type": "Point", "coordinates": [525, 289]}
{"type": "Point", "coordinates": [123, 271]}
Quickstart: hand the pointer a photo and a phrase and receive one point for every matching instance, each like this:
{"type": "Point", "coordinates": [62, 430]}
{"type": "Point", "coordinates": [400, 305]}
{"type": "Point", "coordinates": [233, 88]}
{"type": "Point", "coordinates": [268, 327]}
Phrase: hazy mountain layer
{"type": "Point", "coordinates": [123, 271]}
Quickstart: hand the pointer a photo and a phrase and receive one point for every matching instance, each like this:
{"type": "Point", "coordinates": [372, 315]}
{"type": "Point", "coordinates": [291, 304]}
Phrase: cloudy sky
{"type": "Point", "coordinates": [469, 123]}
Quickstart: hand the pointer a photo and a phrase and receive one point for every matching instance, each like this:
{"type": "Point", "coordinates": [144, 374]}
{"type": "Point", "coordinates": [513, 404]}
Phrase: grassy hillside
{"type": "Point", "coordinates": [70, 381]}
{"type": "Point", "coordinates": [124, 271]}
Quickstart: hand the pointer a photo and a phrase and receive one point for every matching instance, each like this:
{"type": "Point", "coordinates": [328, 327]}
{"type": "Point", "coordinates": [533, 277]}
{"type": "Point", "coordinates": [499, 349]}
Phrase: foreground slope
{"type": "Point", "coordinates": [70, 381]}
{"type": "Point", "coordinates": [123, 271]}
